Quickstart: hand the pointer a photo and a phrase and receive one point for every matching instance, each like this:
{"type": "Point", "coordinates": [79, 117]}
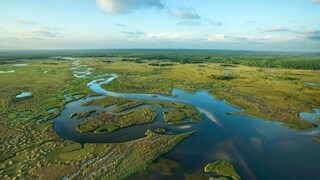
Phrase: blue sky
{"type": "Point", "coordinates": [292, 25]}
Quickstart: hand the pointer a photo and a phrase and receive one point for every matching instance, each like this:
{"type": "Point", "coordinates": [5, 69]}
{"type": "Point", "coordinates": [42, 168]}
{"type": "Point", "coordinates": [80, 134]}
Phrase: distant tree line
{"type": "Point", "coordinates": [292, 60]}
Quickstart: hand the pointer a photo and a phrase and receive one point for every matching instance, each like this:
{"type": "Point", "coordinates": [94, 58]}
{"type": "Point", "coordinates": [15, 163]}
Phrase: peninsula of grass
{"type": "Point", "coordinates": [316, 139]}
{"type": "Point", "coordinates": [82, 115]}
{"type": "Point", "coordinates": [106, 122]}
{"type": "Point", "coordinates": [222, 168]}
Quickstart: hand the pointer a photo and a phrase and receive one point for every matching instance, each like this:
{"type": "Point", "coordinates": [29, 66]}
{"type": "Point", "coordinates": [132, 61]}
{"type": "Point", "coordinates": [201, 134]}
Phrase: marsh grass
{"type": "Point", "coordinates": [107, 123]}
{"type": "Point", "coordinates": [178, 113]}
{"type": "Point", "coordinates": [223, 168]}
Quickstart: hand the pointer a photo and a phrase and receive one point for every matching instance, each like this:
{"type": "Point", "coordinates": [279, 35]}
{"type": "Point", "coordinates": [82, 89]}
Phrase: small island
{"type": "Point", "coordinates": [107, 123]}
{"type": "Point", "coordinates": [222, 168]}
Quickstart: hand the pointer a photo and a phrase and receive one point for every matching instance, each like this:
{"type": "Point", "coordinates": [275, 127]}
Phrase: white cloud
{"type": "Point", "coordinates": [261, 38]}
{"type": "Point", "coordinates": [246, 38]}
{"type": "Point", "coordinates": [170, 36]}
{"type": "Point", "coordinates": [186, 14]}
{"type": "Point", "coordinates": [316, 1]}
{"type": "Point", "coordinates": [311, 34]}
{"type": "Point", "coordinates": [126, 6]}
{"type": "Point", "coordinates": [217, 37]}
{"type": "Point", "coordinates": [310, 31]}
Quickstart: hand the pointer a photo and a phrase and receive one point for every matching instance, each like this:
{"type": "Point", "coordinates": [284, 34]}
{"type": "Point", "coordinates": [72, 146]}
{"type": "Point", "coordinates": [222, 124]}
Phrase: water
{"type": "Point", "coordinates": [22, 116]}
{"type": "Point", "coordinates": [66, 130]}
{"type": "Point", "coordinates": [20, 65]}
{"type": "Point", "coordinates": [52, 110]}
{"type": "Point", "coordinates": [66, 97]}
{"type": "Point", "coordinates": [312, 118]}
{"type": "Point", "coordinates": [6, 71]}
{"type": "Point", "coordinates": [23, 94]}
{"type": "Point", "coordinates": [257, 148]}
{"type": "Point", "coordinates": [312, 84]}
{"type": "Point", "coordinates": [227, 70]}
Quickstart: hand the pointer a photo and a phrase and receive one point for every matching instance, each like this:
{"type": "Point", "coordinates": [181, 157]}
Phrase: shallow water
{"type": "Point", "coordinates": [312, 84]}
{"type": "Point", "coordinates": [6, 71]}
{"type": "Point", "coordinates": [227, 70]}
{"type": "Point", "coordinates": [52, 110]}
{"type": "Point", "coordinates": [22, 116]}
{"type": "Point", "coordinates": [66, 97]}
{"type": "Point", "coordinates": [311, 116]}
{"type": "Point", "coordinates": [20, 65]}
{"type": "Point", "coordinates": [257, 148]}
{"type": "Point", "coordinates": [23, 94]}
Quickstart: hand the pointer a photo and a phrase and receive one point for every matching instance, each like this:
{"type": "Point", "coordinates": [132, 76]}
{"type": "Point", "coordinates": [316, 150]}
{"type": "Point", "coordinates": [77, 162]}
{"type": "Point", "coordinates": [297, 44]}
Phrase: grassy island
{"type": "Point", "coordinates": [223, 168]}
{"type": "Point", "coordinates": [178, 113]}
{"type": "Point", "coordinates": [106, 122]}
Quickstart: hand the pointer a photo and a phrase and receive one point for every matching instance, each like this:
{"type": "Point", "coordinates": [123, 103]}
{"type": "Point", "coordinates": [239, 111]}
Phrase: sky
{"type": "Point", "coordinates": [280, 25]}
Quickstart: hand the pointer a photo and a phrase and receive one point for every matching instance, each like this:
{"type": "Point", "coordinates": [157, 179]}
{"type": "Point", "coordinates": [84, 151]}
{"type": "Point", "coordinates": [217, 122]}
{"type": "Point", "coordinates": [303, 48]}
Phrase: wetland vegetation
{"type": "Point", "coordinates": [107, 123]}
{"type": "Point", "coordinates": [178, 113]}
{"type": "Point", "coordinates": [223, 168]}
{"type": "Point", "coordinates": [270, 86]}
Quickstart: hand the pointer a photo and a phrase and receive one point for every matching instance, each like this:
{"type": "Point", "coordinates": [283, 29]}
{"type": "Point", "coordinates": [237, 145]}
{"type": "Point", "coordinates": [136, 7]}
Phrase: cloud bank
{"type": "Point", "coordinates": [312, 34]}
{"type": "Point", "coordinates": [126, 6]}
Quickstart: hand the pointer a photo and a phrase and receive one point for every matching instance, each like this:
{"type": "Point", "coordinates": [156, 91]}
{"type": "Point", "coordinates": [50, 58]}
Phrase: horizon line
{"type": "Point", "coordinates": [188, 49]}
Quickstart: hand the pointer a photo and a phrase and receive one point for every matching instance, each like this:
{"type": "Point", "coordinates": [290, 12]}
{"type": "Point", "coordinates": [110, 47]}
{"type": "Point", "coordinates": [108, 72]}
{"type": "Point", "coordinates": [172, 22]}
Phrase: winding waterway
{"type": "Point", "coordinates": [258, 149]}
